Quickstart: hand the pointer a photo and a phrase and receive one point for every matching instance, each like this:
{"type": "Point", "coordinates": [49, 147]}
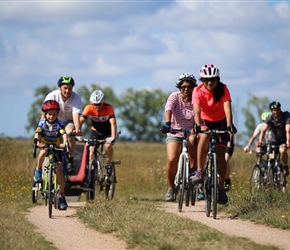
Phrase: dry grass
{"type": "Point", "coordinates": [132, 215]}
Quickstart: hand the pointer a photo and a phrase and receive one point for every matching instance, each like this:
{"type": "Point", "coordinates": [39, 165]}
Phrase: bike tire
{"type": "Point", "coordinates": [35, 190]}
{"type": "Point", "coordinates": [90, 195]}
{"type": "Point", "coordinates": [183, 164]}
{"type": "Point", "coordinates": [193, 194]}
{"type": "Point", "coordinates": [280, 179]}
{"type": "Point", "coordinates": [270, 176]}
{"type": "Point", "coordinates": [255, 179]}
{"type": "Point", "coordinates": [207, 188]}
{"type": "Point", "coordinates": [215, 179]}
{"type": "Point", "coordinates": [188, 192]}
{"type": "Point", "coordinates": [110, 188]}
{"type": "Point", "coordinates": [50, 192]}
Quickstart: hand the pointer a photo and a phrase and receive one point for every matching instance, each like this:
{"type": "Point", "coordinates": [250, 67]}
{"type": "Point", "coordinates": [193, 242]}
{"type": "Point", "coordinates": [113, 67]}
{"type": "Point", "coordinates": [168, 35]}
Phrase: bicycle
{"type": "Point", "coordinates": [211, 176]}
{"type": "Point", "coordinates": [48, 187]}
{"type": "Point", "coordinates": [275, 176]}
{"type": "Point", "coordinates": [258, 176]}
{"type": "Point", "coordinates": [97, 166]}
{"type": "Point", "coordinates": [182, 181]}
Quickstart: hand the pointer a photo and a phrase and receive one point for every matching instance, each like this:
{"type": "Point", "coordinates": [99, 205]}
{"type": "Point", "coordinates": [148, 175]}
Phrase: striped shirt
{"type": "Point", "coordinates": [182, 113]}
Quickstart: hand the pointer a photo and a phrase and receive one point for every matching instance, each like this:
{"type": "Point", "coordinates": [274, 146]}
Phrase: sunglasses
{"type": "Point", "coordinates": [186, 87]}
{"type": "Point", "coordinates": [207, 80]}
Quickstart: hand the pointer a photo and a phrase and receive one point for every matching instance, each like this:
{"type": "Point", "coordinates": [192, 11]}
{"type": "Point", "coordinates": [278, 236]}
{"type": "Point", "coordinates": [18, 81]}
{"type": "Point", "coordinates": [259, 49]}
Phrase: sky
{"type": "Point", "coordinates": [141, 44]}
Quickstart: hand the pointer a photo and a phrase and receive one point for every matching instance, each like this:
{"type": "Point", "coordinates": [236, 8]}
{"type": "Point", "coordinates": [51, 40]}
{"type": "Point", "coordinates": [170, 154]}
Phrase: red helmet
{"type": "Point", "coordinates": [50, 104]}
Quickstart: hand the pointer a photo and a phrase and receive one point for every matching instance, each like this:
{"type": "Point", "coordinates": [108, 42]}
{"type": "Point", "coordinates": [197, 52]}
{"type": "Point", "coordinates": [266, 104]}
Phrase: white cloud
{"type": "Point", "coordinates": [145, 44]}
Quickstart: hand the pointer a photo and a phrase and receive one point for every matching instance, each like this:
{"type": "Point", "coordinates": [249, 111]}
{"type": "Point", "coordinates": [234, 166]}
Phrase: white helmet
{"type": "Point", "coordinates": [97, 96]}
{"type": "Point", "coordinates": [209, 71]}
{"type": "Point", "coordinates": [186, 76]}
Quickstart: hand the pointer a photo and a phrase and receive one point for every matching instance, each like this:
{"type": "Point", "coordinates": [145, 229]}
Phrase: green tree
{"type": "Point", "coordinates": [252, 112]}
{"type": "Point", "coordinates": [141, 114]}
{"type": "Point", "coordinates": [34, 113]}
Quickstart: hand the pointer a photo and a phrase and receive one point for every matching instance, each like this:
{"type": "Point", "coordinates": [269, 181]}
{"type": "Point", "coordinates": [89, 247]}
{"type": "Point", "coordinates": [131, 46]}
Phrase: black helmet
{"type": "Point", "coordinates": [65, 80]}
{"type": "Point", "coordinates": [274, 105]}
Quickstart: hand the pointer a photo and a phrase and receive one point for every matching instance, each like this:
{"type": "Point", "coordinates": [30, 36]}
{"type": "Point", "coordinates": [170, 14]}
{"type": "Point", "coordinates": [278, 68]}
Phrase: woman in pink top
{"type": "Point", "coordinates": [212, 109]}
{"type": "Point", "coordinates": [178, 114]}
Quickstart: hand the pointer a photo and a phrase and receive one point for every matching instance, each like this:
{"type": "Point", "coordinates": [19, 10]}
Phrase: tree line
{"type": "Point", "coordinates": [140, 113]}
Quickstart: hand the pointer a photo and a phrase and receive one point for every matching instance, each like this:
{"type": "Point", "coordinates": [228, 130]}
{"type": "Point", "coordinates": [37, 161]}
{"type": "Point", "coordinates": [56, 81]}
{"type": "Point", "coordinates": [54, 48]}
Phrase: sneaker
{"type": "Point", "coordinates": [197, 177]}
{"type": "Point", "coordinates": [37, 175]}
{"type": "Point", "coordinates": [169, 195]}
{"type": "Point", "coordinates": [200, 196]}
{"type": "Point", "coordinates": [286, 170]}
{"type": "Point", "coordinates": [228, 185]}
{"type": "Point", "coordinates": [62, 205]}
{"type": "Point", "coordinates": [222, 197]}
{"type": "Point", "coordinates": [70, 168]}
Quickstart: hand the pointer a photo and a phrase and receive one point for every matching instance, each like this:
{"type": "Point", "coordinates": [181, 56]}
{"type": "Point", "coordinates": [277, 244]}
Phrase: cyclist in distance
{"type": "Point", "coordinates": [50, 130]}
{"type": "Point", "coordinates": [212, 110]}
{"type": "Point", "coordinates": [279, 124]}
{"type": "Point", "coordinates": [104, 125]}
{"type": "Point", "coordinates": [70, 110]}
{"type": "Point", "coordinates": [257, 132]}
{"type": "Point", "coordinates": [178, 114]}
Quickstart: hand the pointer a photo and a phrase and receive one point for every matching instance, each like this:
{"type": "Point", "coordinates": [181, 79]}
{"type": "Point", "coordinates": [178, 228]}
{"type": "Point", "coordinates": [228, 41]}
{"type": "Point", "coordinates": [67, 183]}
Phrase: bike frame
{"type": "Point", "coordinates": [182, 181]}
{"type": "Point", "coordinates": [212, 178]}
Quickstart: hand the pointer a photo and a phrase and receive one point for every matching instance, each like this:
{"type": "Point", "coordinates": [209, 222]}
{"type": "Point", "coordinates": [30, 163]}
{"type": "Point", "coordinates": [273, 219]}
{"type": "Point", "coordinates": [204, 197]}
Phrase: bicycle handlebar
{"type": "Point", "coordinates": [49, 147]}
{"type": "Point", "coordinates": [101, 141]}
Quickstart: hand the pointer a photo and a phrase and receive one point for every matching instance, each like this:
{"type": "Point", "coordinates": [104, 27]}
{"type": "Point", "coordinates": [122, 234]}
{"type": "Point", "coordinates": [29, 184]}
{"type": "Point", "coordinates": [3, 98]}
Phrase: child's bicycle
{"type": "Point", "coordinates": [104, 176]}
{"type": "Point", "coordinates": [48, 186]}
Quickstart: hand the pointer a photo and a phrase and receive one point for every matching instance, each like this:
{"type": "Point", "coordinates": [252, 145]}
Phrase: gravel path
{"type": "Point", "coordinates": [67, 232]}
{"type": "Point", "coordinates": [233, 226]}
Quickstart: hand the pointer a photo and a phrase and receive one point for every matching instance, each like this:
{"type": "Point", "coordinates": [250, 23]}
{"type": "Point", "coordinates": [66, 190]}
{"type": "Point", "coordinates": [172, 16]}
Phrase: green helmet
{"type": "Point", "coordinates": [65, 80]}
{"type": "Point", "coordinates": [265, 115]}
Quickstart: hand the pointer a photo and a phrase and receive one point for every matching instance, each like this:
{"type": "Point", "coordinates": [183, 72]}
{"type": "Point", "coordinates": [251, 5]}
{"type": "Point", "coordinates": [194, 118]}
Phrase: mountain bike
{"type": "Point", "coordinates": [211, 176]}
{"type": "Point", "coordinates": [98, 169]}
{"type": "Point", "coordinates": [48, 187]}
{"type": "Point", "coordinates": [258, 177]}
{"type": "Point", "coordinates": [275, 176]}
{"type": "Point", "coordinates": [182, 183]}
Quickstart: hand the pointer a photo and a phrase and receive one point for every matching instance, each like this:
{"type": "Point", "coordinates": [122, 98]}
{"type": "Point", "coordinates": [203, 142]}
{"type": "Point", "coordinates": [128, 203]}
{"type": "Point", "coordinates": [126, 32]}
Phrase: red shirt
{"type": "Point", "coordinates": [209, 110]}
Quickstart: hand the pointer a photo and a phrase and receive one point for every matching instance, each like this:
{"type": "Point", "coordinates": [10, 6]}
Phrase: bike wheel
{"type": "Point", "coordinates": [188, 192]}
{"type": "Point", "coordinates": [50, 192]}
{"type": "Point", "coordinates": [90, 195]}
{"type": "Point", "coordinates": [193, 191]}
{"type": "Point", "coordinates": [215, 185]}
{"type": "Point", "coordinates": [280, 178]}
{"type": "Point", "coordinates": [270, 176]}
{"type": "Point", "coordinates": [207, 188]}
{"type": "Point", "coordinates": [110, 187]}
{"type": "Point", "coordinates": [255, 179]}
{"type": "Point", "coordinates": [36, 187]}
{"type": "Point", "coordinates": [183, 164]}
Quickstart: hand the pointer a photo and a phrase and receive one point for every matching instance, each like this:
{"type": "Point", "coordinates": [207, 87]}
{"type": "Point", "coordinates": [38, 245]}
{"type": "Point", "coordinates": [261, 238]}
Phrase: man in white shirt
{"type": "Point", "coordinates": [70, 110]}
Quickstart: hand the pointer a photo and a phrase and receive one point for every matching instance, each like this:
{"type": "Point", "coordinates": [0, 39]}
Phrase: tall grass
{"type": "Point", "coordinates": [133, 215]}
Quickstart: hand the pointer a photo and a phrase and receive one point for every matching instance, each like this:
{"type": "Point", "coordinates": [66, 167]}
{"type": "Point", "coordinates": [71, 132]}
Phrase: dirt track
{"type": "Point", "coordinates": [67, 232]}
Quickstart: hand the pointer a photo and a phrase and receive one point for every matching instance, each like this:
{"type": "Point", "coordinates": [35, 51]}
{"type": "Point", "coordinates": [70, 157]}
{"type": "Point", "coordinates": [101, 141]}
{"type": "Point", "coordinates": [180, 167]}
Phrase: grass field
{"type": "Point", "coordinates": [133, 215]}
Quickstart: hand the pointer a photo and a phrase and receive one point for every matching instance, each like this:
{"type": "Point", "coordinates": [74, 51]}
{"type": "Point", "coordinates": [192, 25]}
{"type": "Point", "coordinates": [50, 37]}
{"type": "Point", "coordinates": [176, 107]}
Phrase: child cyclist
{"type": "Point", "coordinates": [50, 130]}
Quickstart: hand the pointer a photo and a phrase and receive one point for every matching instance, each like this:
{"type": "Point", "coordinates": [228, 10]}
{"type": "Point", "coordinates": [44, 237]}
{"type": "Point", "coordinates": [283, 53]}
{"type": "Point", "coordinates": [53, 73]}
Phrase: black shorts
{"type": "Point", "coordinates": [222, 139]}
{"type": "Point", "coordinates": [57, 156]}
{"type": "Point", "coordinates": [97, 135]}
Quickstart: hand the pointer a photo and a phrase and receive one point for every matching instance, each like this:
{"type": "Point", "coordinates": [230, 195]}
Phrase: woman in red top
{"type": "Point", "coordinates": [212, 110]}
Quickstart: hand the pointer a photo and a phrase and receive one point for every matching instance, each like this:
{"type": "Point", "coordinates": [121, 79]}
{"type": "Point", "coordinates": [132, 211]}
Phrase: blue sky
{"type": "Point", "coordinates": [141, 44]}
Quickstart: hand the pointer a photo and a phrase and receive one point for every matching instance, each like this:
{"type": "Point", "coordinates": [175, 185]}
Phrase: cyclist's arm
{"type": "Point", "coordinates": [287, 128]}
{"type": "Point", "coordinates": [196, 108]}
{"type": "Point", "coordinates": [228, 112]}
{"type": "Point", "coordinates": [76, 120]}
{"type": "Point", "coordinates": [113, 127]}
{"type": "Point", "coordinates": [167, 116]}
{"type": "Point", "coordinates": [263, 131]}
